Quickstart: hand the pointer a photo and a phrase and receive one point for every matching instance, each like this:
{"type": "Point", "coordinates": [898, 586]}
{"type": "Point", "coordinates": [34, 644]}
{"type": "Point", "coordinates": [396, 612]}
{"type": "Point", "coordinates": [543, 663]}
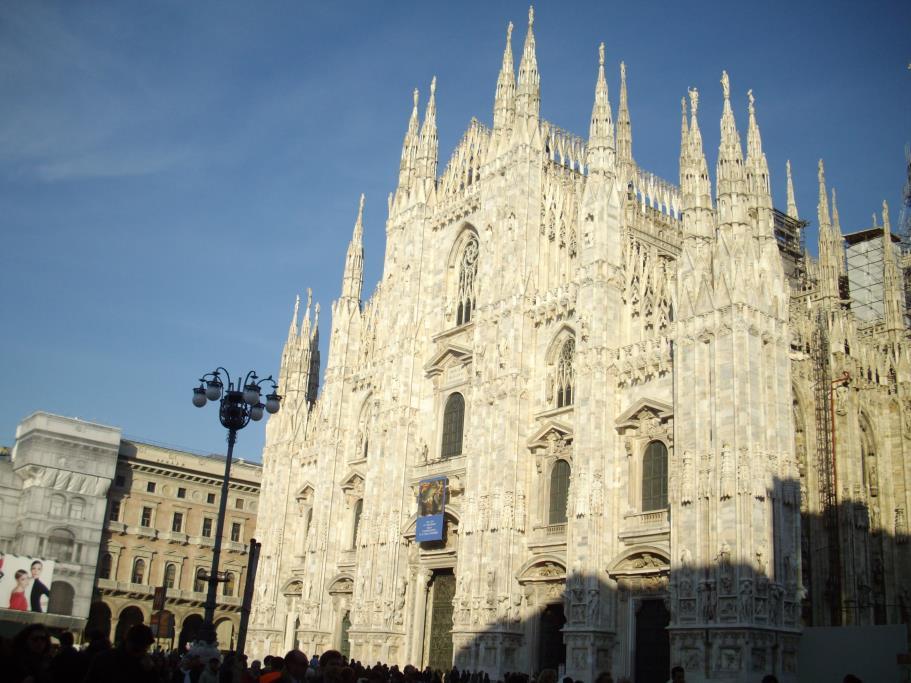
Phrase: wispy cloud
{"type": "Point", "coordinates": [110, 164]}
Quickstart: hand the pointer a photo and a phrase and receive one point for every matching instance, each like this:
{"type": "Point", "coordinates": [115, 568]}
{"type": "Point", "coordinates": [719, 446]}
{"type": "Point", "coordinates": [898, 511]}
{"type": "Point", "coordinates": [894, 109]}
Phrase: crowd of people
{"type": "Point", "coordinates": [31, 658]}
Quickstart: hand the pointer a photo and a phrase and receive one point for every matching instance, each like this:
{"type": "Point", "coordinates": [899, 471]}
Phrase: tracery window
{"type": "Point", "coordinates": [453, 426]}
{"type": "Point", "coordinates": [358, 509]}
{"type": "Point", "coordinates": [559, 492]}
{"type": "Point", "coordinates": [139, 570]}
{"type": "Point", "coordinates": [565, 377]}
{"type": "Point", "coordinates": [468, 271]}
{"type": "Point", "coordinates": [654, 477]}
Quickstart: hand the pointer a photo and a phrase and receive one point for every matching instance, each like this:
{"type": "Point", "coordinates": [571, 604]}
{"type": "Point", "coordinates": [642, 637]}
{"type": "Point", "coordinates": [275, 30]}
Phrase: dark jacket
{"type": "Point", "coordinates": [38, 589]}
{"type": "Point", "coordinates": [119, 666]}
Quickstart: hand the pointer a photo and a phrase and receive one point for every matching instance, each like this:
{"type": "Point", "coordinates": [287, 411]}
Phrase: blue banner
{"type": "Point", "coordinates": [431, 508]}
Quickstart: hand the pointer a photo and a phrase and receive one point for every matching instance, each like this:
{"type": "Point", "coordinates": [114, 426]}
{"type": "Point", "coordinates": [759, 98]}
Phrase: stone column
{"type": "Point", "coordinates": [420, 612]}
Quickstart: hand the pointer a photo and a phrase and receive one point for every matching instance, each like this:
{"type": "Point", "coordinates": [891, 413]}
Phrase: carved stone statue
{"type": "Point", "coordinates": [594, 606]}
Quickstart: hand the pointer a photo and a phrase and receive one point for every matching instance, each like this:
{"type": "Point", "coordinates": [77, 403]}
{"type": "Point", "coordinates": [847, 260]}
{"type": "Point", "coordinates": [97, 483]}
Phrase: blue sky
{"type": "Point", "coordinates": [173, 173]}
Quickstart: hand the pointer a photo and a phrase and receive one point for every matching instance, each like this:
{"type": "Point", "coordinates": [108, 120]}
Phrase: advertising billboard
{"type": "Point", "coordinates": [25, 583]}
{"type": "Point", "coordinates": [431, 507]}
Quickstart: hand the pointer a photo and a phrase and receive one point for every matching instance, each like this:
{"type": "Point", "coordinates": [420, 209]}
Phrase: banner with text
{"type": "Point", "coordinates": [25, 583]}
{"type": "Point", "coordinates": [431, 506]}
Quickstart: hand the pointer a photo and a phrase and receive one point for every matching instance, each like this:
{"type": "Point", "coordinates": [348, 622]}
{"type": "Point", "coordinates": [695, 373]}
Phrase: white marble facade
{"type": "Point", "coordinates": [595, 319]}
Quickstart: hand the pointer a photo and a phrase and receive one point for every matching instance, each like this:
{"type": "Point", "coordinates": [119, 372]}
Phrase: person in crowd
{"type": "Point", "coordinates": [770, 678]}
{"type": "Point", "coordinates": [98, 643]}
{"type": "Point", "coordinates": [39, 590]}
{"type": "Point", "coordinates": [275, 665]}
{"type": "Point", "coordinates": [296, 665]}
{"type": "Point", "coordinates": [66, 661]}
{"type": "Point", "coordinates": [678, 675]}
{"type": "Point", "coordinates": [28, 659]}
{"type": "Point", "coordinates": [210, 671]}
{"type": "Point", "coordinates": [127, 663]}
{"type": "Point", "coordinates": [604, 677]}
{"type": "Point", "coordinates": [189, 670]}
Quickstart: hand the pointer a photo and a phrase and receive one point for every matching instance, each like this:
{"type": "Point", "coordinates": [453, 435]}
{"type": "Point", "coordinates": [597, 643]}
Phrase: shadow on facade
{"type": "Point", "coordinates": [724, 600]}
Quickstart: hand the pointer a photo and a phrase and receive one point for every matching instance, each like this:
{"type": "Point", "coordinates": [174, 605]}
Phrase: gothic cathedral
{"type": "Point", "coordinates": [668, 435]}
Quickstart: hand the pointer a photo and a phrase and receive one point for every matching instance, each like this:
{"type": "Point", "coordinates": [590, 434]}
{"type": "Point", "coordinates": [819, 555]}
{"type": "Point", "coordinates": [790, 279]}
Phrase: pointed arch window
{"type": "Point", "coordinates": [654, 477]}
{"type": "Point", "coordinates": [565, 379]}
{"type": "Point", "coordinates": [453, 426]}
{"type": "Point", "coordinates": [559, 492]}
{"type": "Point", "coordinates": [468, 272]}
{"type": "Point", "coordinates": [104, 567]}
{"type": "Point", "coordinates": [358, 509]}
{"type": "Point", "coordinates": [139, 570]}
{"type": "Point", "coordinates": [170, 575]}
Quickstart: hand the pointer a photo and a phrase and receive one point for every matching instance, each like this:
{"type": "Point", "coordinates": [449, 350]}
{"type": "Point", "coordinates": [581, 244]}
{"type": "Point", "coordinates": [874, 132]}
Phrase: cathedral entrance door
{"type": "Point", "coordinates": [443, 586]}
{"type": "Point", "coordinates": [345, 645]}
{"type": "Point", "coordinates": [653, 646]}
{"type": "Point", "coordinates": [551, 650]}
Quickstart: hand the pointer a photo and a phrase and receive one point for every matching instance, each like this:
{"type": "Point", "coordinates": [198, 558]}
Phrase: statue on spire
{"type": "Point", "coordinates": [601, 55]}
{"type": "Point", "coordinates": [752, 105]}
{"type": "Point", "coordinates": [531, 15]}
{"type": "Point", "coordinates": [725, 85]}
{"type": "Point", "coordinates": [694, 100]}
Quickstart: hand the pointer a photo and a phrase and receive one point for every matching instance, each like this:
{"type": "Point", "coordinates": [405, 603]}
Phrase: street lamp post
{"type": "Point", "coordinates": [239, 404]}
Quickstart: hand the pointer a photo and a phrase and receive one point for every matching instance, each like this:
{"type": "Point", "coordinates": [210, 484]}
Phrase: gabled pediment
{"type": "Point", "coordinates": [353, 482]}
{"type": "Point", "coordinates": [644, 407]}
{"type": "Point", "coordinates": [551, 432]}
{"type": "Point", "coordinates": [449, 355]}
{"type": "Point", "coordinates": [305, 492]}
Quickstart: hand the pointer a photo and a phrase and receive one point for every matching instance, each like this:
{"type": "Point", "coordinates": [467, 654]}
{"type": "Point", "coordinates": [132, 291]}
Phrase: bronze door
{"type": "Point", "coordinates": [440, 650]}
{"type": "Point", "coordinates": [345, 645]}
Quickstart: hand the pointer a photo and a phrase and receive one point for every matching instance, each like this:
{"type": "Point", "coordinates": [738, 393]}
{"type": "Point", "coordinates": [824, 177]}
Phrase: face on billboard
{"type": "Point", "coordinates": [25, 583]}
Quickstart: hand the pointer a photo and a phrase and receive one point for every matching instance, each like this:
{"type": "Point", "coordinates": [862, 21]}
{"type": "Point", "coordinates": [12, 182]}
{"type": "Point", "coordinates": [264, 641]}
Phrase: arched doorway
{"type": "Point", "coordinates": [162, 624]}
{"type": "Point", "coordinates": [130, 616]}
{"type": "Point", "coordinates": [224, 631]}
{"type": "Point", "coordinates": [99, 620]}
{"type": "Point", "coordinates": [551, 650]}
{"type": "Point", "coordinates": [189, 631]}
{"type": "Point", "coordinates": [61, 598]}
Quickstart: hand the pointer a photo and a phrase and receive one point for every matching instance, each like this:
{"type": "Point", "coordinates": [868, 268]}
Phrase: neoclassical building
{"type": "Point", "coordinates": [119, 518]}
{"type": "Point", "coordinates": [159, 530]}
{"type": "Point", "coordinates": [667, 436]}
